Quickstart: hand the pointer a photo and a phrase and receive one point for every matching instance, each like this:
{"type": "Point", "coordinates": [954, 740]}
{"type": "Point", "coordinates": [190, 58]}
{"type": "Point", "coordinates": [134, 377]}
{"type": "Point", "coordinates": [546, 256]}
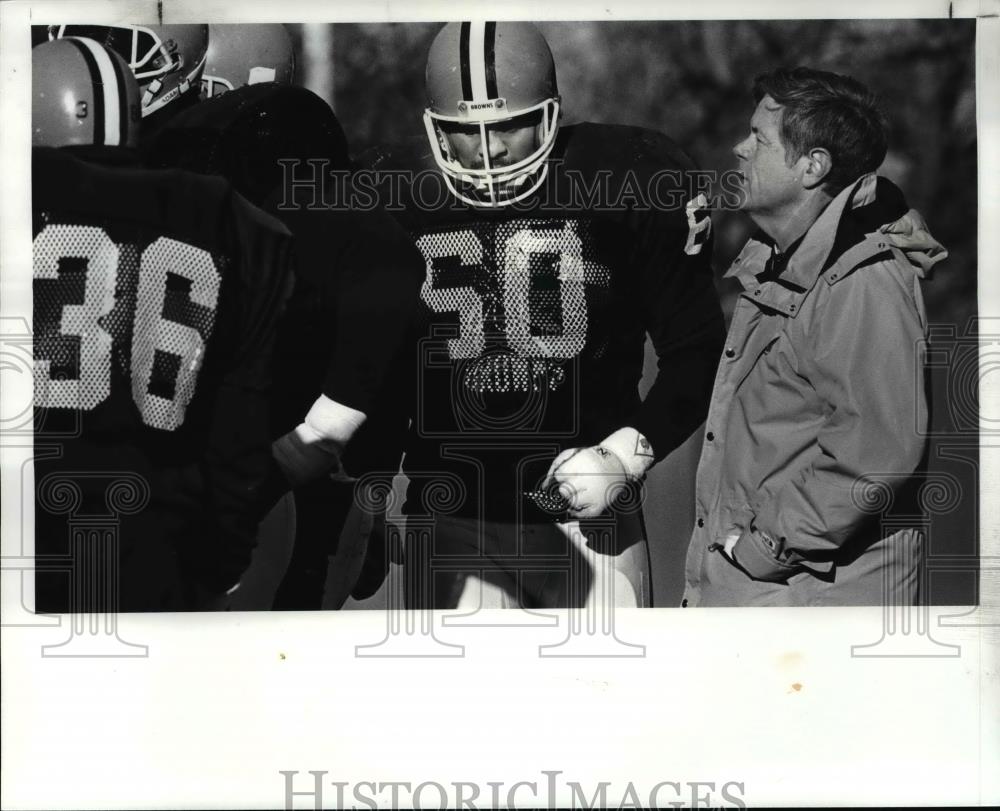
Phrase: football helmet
{"type": "Point", "coordinates": [239, 55]}
{"type": "Point", "coordinates": [166, 60]}
{"type": "Point", "coordinates": [82, 94]}
{"type": "Point", "coordinates": [482, 74]}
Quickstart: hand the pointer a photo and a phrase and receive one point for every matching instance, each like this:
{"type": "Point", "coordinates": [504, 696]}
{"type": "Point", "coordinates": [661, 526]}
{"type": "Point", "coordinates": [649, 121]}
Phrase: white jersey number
{"type": "Point", "coordinates": [76, 334]}
{"type": "Point", "coordinates": [78, 320]}
{"type": "Point", "coordinates": [549, 324]}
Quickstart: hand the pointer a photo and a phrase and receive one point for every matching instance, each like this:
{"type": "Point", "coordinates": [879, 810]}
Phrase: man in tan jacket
{"type": "Point", "coordinates": [818, 410]}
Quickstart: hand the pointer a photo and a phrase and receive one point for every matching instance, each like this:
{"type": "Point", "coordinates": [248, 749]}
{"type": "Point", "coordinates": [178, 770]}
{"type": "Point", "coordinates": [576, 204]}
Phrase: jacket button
{"type": "Point", "coordinates": [756, 292]}
{"type": "Point", "coordinates": [701, 522]}
{"type": "Point", "coordinates": [730, 352]}
{"type": "Point", "coordinates": [709, 436]}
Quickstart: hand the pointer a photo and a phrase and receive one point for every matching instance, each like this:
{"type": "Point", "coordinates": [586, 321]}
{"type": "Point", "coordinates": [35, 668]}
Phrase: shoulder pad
{"type": "Point", "coordinates": [621, 148]}
{"type": "Point", "coordinates": [637, 169]}
{"type": "Point", "coordinates": [242, 134]}
{"type": "Point", "coordinates": [413, 153]}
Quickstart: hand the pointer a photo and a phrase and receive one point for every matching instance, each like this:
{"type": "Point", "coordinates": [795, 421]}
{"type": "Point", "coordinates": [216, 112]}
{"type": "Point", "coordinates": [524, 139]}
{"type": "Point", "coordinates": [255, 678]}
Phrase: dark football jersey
{"type": "Point", "coordinates": [156, 296]}
{"type": "Point", "coordinates": [357, 272]}
{"type": "Point", "coordinates": [536, 314]}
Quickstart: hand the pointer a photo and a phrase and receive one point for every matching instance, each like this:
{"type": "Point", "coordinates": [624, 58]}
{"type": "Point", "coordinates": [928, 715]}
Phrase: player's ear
{"type": "Point", "coordinates": [443, 142]}
{"type": "Point", "coordinates": [819, 162]}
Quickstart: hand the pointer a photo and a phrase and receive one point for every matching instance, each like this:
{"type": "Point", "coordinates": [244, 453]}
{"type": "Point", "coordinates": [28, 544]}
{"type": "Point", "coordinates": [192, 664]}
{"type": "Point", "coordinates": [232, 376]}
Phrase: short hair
{"type": "Point", "coordinates": [829, 111]}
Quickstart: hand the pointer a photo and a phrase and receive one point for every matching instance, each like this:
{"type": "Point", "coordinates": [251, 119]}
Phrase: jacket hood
{"type": "Point", "coordinates": [864, 212]}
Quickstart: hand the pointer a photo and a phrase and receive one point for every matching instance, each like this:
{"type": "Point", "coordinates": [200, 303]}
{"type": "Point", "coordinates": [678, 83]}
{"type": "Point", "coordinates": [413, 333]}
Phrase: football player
{"type": "Point", "coordinates": [244, 54]}
{"type": "Point", "coordinates": [545, 272]}
{"type": "Point", "coordinates": [166, 60]}
{"type": "Point", "coordinates": [156, 297]}
{"type": "Point", "coordinates": [348, 326]}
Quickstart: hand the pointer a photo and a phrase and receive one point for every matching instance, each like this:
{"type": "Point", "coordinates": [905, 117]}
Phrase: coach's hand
{"type": "Point", "coordinates": [588, 478]}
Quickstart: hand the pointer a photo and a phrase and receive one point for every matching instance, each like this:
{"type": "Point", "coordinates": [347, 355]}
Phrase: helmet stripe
{"type": "Point", "coordinates": [95, 82]}
{"type": "Point", "coordinates": [107, 87]}
{"type": "Point", "coordinates": [463, 51]}
{"type": "Point", "coordinates": [489, 56]}
{"type": "Point", "coordinates": [477, 60]}
{"type": "Point", "coordinates": [121, 87]}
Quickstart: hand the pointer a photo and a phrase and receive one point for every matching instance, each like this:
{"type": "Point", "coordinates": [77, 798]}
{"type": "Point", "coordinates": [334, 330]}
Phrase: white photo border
{"type": "Point", "coordinates": [220, 704]}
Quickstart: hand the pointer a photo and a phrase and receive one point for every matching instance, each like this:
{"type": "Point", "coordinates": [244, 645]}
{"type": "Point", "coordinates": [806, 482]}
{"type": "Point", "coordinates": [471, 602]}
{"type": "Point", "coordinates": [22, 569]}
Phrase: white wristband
{"type": "Point", "coordinates": [315, 447]}
{"type": "Point", "coordinates": [332, 421]}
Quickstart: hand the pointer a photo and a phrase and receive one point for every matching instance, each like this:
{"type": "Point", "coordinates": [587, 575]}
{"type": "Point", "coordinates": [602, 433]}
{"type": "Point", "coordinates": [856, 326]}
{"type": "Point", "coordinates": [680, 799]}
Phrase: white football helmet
{"type": "Point", "coordinates": [166, 60]}
{"type": "Point", "coordinates": [481, 74]}
{"type": "Point", "coordinates": [243, 54]}
{"type": "Point", "coordinates": [82, 94]}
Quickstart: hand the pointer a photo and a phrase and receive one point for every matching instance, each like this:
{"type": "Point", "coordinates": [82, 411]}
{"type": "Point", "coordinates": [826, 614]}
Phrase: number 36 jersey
{"type": "Point", "coordinates": [155, 299]}
{"type": "Point", "coordinates": [537, 314]}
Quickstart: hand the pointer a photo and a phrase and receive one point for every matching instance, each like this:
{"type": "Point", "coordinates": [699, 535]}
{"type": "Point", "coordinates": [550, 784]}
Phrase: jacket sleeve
{"type": "Point", "coordinates": [684, 322]}
{"type": "Point", "coordinates": [864, 356]}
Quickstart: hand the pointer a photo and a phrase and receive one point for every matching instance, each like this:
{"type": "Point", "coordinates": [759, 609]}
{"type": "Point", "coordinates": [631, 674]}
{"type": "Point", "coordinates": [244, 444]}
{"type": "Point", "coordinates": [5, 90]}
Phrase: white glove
{"type": "Point", "coordinates": [590, 479]}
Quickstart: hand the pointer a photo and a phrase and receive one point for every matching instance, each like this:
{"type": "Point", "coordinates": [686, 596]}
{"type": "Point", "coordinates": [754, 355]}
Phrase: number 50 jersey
{"type": "Point", "coordinates": [537, 314]}
{"type": "Point", "coordinates": [155, 301]}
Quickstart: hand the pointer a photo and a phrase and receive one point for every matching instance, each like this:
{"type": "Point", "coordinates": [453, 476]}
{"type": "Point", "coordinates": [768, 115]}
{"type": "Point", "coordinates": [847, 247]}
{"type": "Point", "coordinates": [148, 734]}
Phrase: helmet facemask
{"type": "Point", "coordinates": [149, 58]}
{"type": "Point", "coordinates": [214, 86]}
{"type": "Point", "coordinates": [493, 186]}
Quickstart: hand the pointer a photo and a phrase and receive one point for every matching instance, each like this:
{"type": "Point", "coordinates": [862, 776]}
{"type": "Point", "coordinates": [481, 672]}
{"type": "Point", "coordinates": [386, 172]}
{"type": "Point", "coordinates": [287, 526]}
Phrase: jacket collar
{"type": "Point", "coordinates": [843, 237]}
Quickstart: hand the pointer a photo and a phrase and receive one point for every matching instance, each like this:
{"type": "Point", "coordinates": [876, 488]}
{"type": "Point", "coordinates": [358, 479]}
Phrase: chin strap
{"type": "Point", "coordinates": [151, 90]}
